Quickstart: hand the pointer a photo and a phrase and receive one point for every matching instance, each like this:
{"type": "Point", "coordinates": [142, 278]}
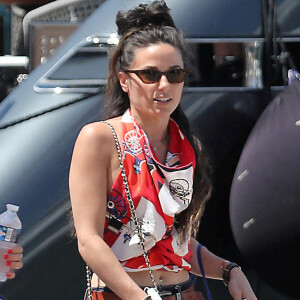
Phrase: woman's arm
{"type": "Point", "coordinates": [238, 286]}
{"type": "Point", "coordinates": [89, 173]}
{"type": "Point", "coordinates": [211, 263]}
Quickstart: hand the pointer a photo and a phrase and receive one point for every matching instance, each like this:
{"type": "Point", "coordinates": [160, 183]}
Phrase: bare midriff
{"type": "Point", "coordinates": [142, 278]}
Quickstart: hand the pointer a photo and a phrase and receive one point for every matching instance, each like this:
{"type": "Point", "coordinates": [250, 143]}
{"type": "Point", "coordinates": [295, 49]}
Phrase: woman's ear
{"type": "Point", "coordinates": [123, 79]}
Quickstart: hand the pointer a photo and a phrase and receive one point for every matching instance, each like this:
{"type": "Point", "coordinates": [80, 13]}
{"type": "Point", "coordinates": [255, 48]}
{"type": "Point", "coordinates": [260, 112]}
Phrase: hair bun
{"type": "Point", "coordinates": [155, 13]}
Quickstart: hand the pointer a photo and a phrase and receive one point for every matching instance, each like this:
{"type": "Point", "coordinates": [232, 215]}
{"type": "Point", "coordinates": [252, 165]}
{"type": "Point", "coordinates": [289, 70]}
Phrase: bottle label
{"type": "Point", "coordinates": [8, 234]}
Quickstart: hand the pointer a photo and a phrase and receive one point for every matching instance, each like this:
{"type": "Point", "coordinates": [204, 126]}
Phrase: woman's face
{"type": "Point", "coordinates": [155, 99]}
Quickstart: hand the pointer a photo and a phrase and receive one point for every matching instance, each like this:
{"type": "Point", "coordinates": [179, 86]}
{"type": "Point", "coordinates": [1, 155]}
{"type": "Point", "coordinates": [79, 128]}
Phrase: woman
{"type": "Point", "coordinates": [161, 160]}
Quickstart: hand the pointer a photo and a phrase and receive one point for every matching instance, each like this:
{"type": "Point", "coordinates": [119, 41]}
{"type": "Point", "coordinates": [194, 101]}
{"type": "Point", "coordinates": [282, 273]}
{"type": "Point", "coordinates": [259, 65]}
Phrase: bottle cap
{"type": "Point", "coordinates": [12, 207]}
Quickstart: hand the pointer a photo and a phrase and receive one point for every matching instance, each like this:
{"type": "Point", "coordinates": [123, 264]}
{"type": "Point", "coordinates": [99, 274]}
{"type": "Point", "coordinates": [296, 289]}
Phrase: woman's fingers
{"type": "Point", "coordinates": [17, 249]}
{"type": "Point", "coordinates": [13, 258]}
{"type": "Point", "coordinates": [10, 274]}
{"type": "Point", "coordinates": [14, 264]}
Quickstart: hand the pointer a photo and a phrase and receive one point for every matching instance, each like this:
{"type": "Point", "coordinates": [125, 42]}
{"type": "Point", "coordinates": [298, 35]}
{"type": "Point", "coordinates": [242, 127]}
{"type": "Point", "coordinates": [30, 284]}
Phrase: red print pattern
{"type": "Point", "coordinates": [159, 192]}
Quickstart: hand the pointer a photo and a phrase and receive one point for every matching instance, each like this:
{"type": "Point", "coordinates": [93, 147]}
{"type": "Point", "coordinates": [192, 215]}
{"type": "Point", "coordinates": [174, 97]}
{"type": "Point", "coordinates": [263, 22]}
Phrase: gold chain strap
{"type": "Point", "coordinates": [89, 283]}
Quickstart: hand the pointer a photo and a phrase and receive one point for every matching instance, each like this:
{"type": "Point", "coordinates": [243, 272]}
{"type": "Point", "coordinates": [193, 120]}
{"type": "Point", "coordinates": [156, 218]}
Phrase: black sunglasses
{"type": "Point", "coordinates": [149, 76]}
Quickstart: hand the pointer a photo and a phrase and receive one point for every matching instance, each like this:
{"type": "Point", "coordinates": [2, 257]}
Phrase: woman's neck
{"type": "Point", "coordinates": [157, 133]}
{"type": "Point", "coordinates": [156, 129]}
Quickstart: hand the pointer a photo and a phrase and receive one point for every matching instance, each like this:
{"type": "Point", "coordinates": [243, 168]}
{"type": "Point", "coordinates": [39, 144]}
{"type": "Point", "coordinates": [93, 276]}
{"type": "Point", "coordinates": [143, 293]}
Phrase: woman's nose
{"type": "Point", "coordinates": [163, 82]}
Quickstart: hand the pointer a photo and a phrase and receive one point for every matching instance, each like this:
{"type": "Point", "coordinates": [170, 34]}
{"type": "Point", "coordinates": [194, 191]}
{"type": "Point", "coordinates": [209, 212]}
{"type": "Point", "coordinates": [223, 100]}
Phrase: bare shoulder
{"type": "Point", "coordinates": [97, 134]}
{"type": "Point", "coordinates": [94, 133]}
{"type": "Point", "coordinates": [95, 139]}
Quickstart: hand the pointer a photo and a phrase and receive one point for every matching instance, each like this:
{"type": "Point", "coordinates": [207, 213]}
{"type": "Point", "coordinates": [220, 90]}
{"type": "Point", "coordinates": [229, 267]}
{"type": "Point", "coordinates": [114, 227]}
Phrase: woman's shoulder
{"type": "Point", "coordinates": [93, 133]}
{"type": "Point", "coordinates": [94, 139]}
{"type": "Point", "coordinates": [98, 132]}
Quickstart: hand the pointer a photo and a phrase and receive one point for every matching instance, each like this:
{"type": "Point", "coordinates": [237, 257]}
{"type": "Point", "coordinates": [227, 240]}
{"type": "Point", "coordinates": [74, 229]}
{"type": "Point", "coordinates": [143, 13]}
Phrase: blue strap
{"type": "Point", "coordinates": [202, 271]}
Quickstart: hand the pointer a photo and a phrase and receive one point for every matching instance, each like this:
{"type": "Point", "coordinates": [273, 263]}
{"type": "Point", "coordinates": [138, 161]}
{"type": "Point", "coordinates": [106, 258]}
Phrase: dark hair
{"type": "Point", "coordinates": [138, 28]}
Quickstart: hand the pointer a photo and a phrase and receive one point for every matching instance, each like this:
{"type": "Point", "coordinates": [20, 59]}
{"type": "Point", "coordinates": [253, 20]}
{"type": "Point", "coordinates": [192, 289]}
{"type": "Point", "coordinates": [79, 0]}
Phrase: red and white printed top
{"type": "Point", "coordinates": [159, 192]}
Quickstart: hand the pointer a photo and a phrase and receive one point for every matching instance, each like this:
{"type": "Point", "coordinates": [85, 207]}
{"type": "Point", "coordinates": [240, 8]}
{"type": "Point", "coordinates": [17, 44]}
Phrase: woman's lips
{"type": "Point", "coordinates": [162, 99]}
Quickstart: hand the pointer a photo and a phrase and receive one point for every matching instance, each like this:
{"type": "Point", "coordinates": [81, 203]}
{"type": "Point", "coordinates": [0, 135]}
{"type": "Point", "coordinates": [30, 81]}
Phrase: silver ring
{"type": "Point", "coordinates": [244, 298]}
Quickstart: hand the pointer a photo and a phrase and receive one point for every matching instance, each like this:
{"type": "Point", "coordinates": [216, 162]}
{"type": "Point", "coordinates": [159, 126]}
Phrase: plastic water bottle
{"type": "Point", "coordinates": [10, 227]}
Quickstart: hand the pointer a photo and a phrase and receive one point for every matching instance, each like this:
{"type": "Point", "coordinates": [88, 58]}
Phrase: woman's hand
{"type": "Point", "coordinates": [239, 287]}
{"type": "Point", "coordinates": [13, 259]}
